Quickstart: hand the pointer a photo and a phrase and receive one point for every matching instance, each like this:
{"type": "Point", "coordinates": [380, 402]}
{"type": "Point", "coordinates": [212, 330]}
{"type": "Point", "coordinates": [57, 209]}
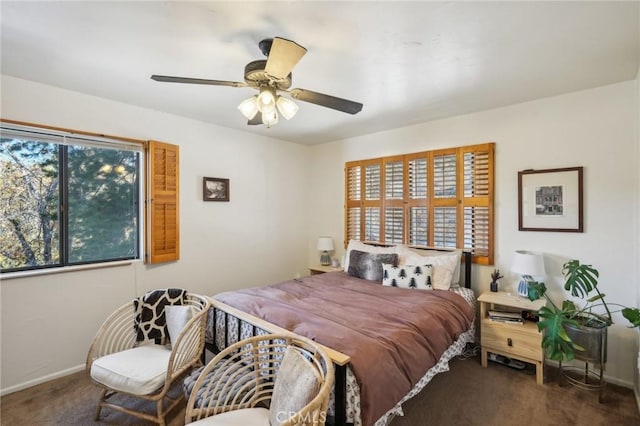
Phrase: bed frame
{"type": "Point", "coordinates": [339, 359]}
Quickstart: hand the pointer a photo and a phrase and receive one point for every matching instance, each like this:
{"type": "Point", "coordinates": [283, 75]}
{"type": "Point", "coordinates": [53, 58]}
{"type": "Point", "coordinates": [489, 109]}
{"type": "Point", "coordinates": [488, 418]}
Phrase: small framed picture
{"type": "Point", "coordinates": [550, 200]}
{"type": "Point", "coordinates": [215, 189]}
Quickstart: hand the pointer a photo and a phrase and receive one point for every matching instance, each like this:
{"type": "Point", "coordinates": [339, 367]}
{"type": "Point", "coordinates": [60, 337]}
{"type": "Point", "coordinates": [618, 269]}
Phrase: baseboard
{"type": "Point", "coordinates": [42, 379]}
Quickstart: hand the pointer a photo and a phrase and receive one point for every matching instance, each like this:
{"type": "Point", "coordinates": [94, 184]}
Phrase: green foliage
{"type": "Point", "coordinates": [102, 206]}
{"type": "Point", "coordinates": [580, 280]}
{"type": "Point", "coordinates": [570, 308]}
{"type": "Point", "coordinates": [29, 203]}
{"type": "Point", "coordinates": [536, 290]}
{"type": "Point", "coordinates": [633, 315]}
{"type": "Point", "coordinates": [556, 341]}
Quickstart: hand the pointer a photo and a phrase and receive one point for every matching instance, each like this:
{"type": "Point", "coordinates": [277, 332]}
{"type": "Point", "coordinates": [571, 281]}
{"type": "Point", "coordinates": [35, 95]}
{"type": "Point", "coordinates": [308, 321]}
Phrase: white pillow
{"type": "Point", "coordinates": [405, 254]}
{"type": "Point", "coordinates": [408, 276]}
{"type": "Point", "coordinates": [367, 248]}
{"type": "Point", "coordinates": [177, 316]}
{"type": "Point", "coordinates": [297, 383]}
{"type": "Point", "coordinates": [444, 265]}
{"type": "Point", "coordinates": [441, 276]}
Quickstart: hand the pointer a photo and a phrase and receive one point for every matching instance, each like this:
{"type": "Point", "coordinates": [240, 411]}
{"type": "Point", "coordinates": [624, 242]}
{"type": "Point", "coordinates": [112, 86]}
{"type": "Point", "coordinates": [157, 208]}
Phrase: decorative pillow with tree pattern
{"type": "Point", "coordinates": [407, 276]}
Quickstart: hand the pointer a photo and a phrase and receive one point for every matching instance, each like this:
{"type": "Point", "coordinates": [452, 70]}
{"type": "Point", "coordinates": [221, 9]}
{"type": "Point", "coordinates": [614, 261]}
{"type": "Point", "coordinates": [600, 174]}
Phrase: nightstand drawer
{"type": "Point", "coordinates": [523, 342]}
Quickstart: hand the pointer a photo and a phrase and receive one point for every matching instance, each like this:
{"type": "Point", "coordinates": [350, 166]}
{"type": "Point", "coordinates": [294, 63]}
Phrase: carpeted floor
{"type": "Point", "coordinates": [466, 395]}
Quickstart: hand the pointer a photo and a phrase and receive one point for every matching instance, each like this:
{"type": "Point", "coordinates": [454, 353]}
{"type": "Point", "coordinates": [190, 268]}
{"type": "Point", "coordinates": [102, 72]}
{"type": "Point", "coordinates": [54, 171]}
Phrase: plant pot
{"type": "Point", "coordinates": [593, 339]}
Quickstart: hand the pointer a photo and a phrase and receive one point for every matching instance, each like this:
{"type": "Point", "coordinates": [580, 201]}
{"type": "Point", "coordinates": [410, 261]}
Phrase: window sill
{"type": "Point", "coordinates": [65, 269]}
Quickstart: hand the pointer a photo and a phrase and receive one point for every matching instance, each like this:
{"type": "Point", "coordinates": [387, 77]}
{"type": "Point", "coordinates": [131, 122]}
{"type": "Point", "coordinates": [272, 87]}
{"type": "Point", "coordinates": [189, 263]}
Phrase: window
{"type": "Point", "coordinates": [440, 198]}
{"type": "Point", "coordinates": [67, 198]}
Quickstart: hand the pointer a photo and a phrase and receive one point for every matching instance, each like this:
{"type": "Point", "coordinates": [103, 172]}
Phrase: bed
{"type": "Point", "coordinates": [386, 341]}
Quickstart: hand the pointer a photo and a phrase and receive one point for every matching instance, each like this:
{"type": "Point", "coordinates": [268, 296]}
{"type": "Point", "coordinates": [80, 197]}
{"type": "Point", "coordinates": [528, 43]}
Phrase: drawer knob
{"type": "Point", "coordinates": [509, 341]}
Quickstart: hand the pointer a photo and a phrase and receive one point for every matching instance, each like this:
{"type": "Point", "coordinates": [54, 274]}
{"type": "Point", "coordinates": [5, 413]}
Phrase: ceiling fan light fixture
{"type": "Point", "coordinates": [287, 107]}
{"type": "Point", "coordinates": [268, 77]}
{"type": "Point", "coordinates": [249, 107]}
{"type": "Point", "coordinates": [267, 100]}
{"type": "Point", "coordinates": [270, 118]}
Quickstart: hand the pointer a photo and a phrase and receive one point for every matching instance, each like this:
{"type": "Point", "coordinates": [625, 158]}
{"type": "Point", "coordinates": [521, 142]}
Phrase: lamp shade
{"type": "Point", "coordinates": [528, 263]}
{"type": "Point", "coordinates": [266, 100]}
{"type": "Point", "coordinates": [249, 107]}
{"type": "Point", "coordinates": [270, 118]}
{"type": "Point", "coordinates": [287, 107]}
{"type": "Point", "coordinates": [325, 244]}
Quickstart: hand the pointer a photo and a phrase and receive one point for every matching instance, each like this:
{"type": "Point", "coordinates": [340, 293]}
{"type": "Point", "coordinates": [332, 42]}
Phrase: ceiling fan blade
{"type": "Point", "coordinates": [168, 79]}
{"type": "Point", "coordinates": [256, 120]}
{"type": "Point", "coordinates": [328, 101]}
{"type": "Point", "coordinates": [283, 56]}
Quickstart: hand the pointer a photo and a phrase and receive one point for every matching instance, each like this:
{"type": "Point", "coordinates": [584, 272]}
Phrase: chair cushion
{"type": "Point", "coordinates": [177, 318]}
{"type": "Point", "coordinates": [236, 386]}
{"type": "Point", "coordinates": [149, 322]}
{"type": "Point", "coordinates": [297, 383]}
{"type": "Point", "coordinates": [139, 371]}
{"type": "Point", "coordinates": [244, 417]}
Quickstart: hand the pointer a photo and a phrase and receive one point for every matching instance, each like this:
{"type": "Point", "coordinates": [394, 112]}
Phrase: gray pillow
{"type": "Point", "coordinates": [368, 266]}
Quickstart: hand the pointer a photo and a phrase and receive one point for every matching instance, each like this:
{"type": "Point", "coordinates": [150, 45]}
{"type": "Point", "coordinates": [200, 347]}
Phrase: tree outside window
{"type": "Point", "coordinates": [66, 203]}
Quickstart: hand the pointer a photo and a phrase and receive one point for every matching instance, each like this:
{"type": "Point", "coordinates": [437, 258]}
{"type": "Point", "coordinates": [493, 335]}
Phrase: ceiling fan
{"type": "Point", "coordinates": [271, 77]}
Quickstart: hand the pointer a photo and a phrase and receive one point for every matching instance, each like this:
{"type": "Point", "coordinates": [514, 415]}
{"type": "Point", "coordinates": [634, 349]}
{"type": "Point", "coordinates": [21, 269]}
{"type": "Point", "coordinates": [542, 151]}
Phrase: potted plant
{"type": "Point", "coordinates": [495, 276]}
{"type": "Point", "coordinates": [569, 328]}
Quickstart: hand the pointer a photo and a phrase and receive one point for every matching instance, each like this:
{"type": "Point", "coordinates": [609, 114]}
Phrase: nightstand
{"type": "Point", "coordinates": [518, 341]}
{"type": "Point", "coordinates": [321, 269]}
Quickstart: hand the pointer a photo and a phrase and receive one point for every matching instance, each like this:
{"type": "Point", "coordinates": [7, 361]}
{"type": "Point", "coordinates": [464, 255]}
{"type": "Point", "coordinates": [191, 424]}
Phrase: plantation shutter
{"type": "Point", "coordinates": [441, 199]}
{"type": "Point", "coordinates": [445, 199]}
{"type": "Point", "coordinates": [417, 198]}
{"type": "Point", "coordinates": [477, 202]}
{"type": "Point", "coordinates": [372, 183]}
{"type": "Point", "coordinates": [163, 238]}
{"type": "Point", "coordinates": [353, 192]}
{"type": "Point", "coordinates": [394, 184]}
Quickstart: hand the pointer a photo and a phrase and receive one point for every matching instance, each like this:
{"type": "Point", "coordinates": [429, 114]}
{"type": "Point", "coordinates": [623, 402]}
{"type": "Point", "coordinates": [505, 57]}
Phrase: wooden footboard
{"type": "Point", "coordinates": [339, 359]}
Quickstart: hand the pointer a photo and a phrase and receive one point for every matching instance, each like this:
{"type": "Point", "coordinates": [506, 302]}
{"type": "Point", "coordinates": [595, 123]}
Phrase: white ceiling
{"type": "Point", "coordinates": [407, 62]}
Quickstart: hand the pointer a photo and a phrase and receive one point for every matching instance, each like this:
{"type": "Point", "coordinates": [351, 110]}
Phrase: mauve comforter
{"type": "Point", "coordinates": [392, 335]}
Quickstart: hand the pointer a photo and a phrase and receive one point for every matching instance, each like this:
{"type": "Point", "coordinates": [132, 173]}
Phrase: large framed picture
{"type": "Point", "coordinates": [550, 200]}
{"type": "Point", "coordinates": [215, 189]}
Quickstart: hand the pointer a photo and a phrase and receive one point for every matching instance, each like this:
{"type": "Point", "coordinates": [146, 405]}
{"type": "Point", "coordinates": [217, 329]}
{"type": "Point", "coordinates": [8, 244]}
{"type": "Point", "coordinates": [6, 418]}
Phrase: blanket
{"type": "Point", "coordinates": [393, 335]}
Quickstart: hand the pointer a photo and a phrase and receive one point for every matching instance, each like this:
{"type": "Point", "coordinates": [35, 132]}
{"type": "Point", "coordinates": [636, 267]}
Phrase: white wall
{"type": "Point", "coordinates": [259, 237]}
{"type": "Point", "coordinates": [637, 255]}
{"type": "Point", "coordinates": [593, 128]}
{"type": "Point", "coordinates": [48, 321]}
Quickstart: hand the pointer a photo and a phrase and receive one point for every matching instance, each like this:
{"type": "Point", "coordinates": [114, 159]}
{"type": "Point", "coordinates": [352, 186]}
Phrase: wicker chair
{"type": "Point", "coordinates": [119, 363]}
{"type": "Point", "coordinates": [290, 374]}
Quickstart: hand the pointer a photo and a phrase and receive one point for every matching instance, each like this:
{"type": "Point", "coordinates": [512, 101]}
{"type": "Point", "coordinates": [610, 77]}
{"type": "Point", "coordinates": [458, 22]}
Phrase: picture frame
{"type": "Point", "coordinates": [551, 200]}
{"type": "Point", "coordinates": [215, 189]}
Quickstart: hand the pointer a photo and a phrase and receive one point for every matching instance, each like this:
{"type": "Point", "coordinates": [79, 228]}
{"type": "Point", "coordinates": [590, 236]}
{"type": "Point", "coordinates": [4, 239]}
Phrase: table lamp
{"type": "Point", "coordinates": [528, 264]}
{"type": "Point", "coordinates": [325, 245]}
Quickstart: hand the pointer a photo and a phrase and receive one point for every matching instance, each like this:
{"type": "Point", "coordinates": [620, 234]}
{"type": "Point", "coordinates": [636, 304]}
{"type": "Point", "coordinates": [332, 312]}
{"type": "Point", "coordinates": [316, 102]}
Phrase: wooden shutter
{"type": "Point", "coordinates": [372, 184]}
{"type": "Point", "coordinates": [477, 201]}
{"type": "Point", "coordinates": [393, 203]}
{"type": "Point", "coordinates": [363, 206]}
{"type": "Point", "coordinates": [441, 198]}
{"type": "Point", "coordinates": [444, 198]}
{"type": "Point", "coordinates": [163, 230]}
{"type": "Point", "coordinates": [417, 198]}
{"type": "Point", "coordinates": [353, 210]}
